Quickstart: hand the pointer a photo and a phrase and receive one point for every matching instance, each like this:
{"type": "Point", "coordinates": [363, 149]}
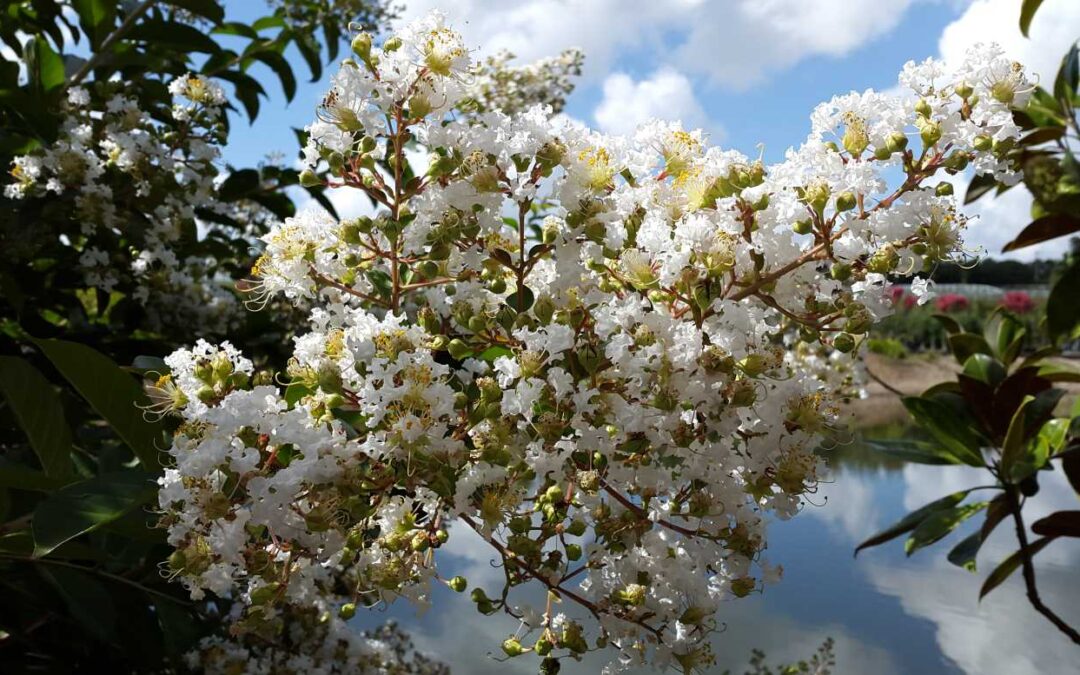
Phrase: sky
{"type": "Point", "coordinates": [748, 72]}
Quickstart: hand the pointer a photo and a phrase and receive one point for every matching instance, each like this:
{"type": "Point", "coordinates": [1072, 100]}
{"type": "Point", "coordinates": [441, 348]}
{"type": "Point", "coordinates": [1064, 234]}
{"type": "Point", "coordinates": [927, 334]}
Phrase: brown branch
{"type": "Point", "coordinates": [96, 58]}
{"type": "Point", "coordinates": [1029, 569]}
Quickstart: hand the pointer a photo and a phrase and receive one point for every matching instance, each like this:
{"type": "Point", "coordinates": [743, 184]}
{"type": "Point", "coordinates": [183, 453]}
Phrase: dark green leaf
{"type": "Point", "coordinates": [281, 67]}
{"type": "Point", "coordinates": [208, 9]}
{"type": "Point", "coordinates": [87, 505]}
{"type": "Point", "coordinates": [979, 186]}
{"type": "Point", "coordinates": [309, 49]}
{"type": "Point", "coordinates": [963, 554]}
{"type": "Point", "coordinates": [985, 369]}
{"type": "Point", "coordinates": [950, 430]}
{"type": "Point", "coordinates": [1068, 74]}
{"type": "Point", "coordinates": [112, 393]}
{"type": "Point", "coordinates": [172, 34]}
{"type": "Point", "coordinates": [178, 627]}
{"type": "Point", "coordinates": [14, 475]}
{"type": "Point", "coordinates": [89, 602]}
{"type": "Point", "coordinates": [1012, 451]}
{"type": "Point", "coordinates": [520, 301]}
{"type": "Point", "coordinates": [236, 28]}
{"type": "Point", "coordinates": [1027, 13]}
{"type": "Point", "coordinates": [964, 345]}
{"type": "Point", "coordinates": [1044, 229]}
{"type": "Point", "coordinates": [239, 184]}
{"type": "Point", "coordinates": [939, 524]}
{"type": "Point", "coordinates": [45, 67]}
{"type": "Point", "coordinates": [492, 353]}
{"type": "Point", "coordinates": [1058, 524]}
{"type": "Point", "coordinates": [918, 452]}
{"type": "Point", "coordinates": [37, 408]}
{"type": "Point", "coordinates": [96, 18]}
{"type": "Point", "coordinates": [1009, 565]}
{"type": "Point", "coordinates": [912, 520]}
{"type": "Point", "coordinates": [949, 324]}
{"type": "Point", "coordinates": [1062, 307]}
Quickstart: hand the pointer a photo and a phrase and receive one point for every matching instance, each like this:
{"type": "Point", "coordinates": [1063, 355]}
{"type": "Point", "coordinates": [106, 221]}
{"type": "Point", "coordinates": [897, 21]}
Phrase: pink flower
{"type": "Point", "coordinates": [1018, 302]}
{"type": "Point", "coordinates": [951, 302]}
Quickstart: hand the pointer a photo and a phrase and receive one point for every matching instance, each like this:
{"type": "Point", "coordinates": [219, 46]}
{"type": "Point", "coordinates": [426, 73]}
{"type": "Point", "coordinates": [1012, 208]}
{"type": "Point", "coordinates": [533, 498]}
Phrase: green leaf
{"type": "Point", "coordinates": [939, 524]}
{"type": "Point", "coordinates": [281, 67]}
{"type": "Point", "coordinates": [96, 18]}
{"type": "Point", "coordinates": [492, 353]}
{"type": "Point", "coordinates": [1068, 75]}
{"type": "Point", "coordinates": [520, 302]}
{"type": "Point", "coordinates": [1012, 451]}
{"type": "Point", "coordinates": [309, 49]}
{"type": "Point", "coordinates": [239, 184]}
{"type": "Point", "coordinates": [948, 323]}
{"type": "Point", "coordinates": [946, 427]}
{"type": "Point", "coordinates": [45, 67]}
{"type": "Point", "coordinates": [1062, 309]}
{"type": "Point", "coordinates": [14, 475]}
{"type": "Point", "coordinates": [37, 408]}
{"type": "Point", "coordinates": [979, 186]}
{"type": "Point", "coordinates": [912, 520]}
{"type": "Point", "coordinates": [296, 391]}
{"type": "Point", "coordinates": [1005, 335]}
{"type": "Point", "coordinates": [208, 9]}
{"type": "Point", "coordinates": [236, 28]}
{"type": "Point", "coordinates": [89, 602]}
{"type": "Point", "coordinates": [918, 452]}
{"type": "Point", "coordinates": [1009, 565]}
{"type": "Point", "coordinates": [87, 505]}
{"type": "Point", "coordinates": [172, 34]}
{"type": "Point", "coordinates": [112, 393]}
{"type": "Point", "coordinates": [985, 369]}
{"type": "Point", "coordinates": [964, 553]}
{"type": "Point", "coordinates": [247, 90]}
{"type": "Point", "coordinates": [1027, 13]}
{"type": "Point", "coordinates": [179, 628]}
{"type": "Point", "coordinates": [1044, 229]}
{"type": "Point", "coordinates": [964, 345]}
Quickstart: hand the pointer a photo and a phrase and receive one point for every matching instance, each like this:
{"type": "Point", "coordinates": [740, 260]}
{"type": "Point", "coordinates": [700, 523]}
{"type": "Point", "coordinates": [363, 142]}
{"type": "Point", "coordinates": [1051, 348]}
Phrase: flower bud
{"type": "Point", "coordinates": [983, 143]}
{"type": "Point", "coordinates": [804, 226]}
{"type": "Point", "coordinates": [361, 46]}
{"type": "Point", "coordinates": [458, 349]}
{"type": "Point", "coordinates": [573, 552]}
{"type": "Point", "coordinates": [347, 611]}
{"type": "Point", "coordinates": [511, 647]}
{"type": "Point", "coordinates": [929, 131]}
{"type": "Point", "coordinates": [458, 584]}
{"type": "Point", "coordinates": [922, 107]}
{"type": "Point", "coordinates": [943, 189]}
{"type": "Point", "coordinates": [964, 90]}
{"type": "Point", "coordinates": [845, 201]}
{"type": "Point", "coordinates": [844, 343]}
{"type": "Point", "coordinates": [309, 178]}
{"type": "Point", "coordinates": [840, 271]}
{"type": "Point", "coordinates": [392, 45]}
{"type": "Point", "coordinates": [543, 646]}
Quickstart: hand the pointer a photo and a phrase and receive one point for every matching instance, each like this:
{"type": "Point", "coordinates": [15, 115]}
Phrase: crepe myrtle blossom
{"type": "Point", "coordinates": [610, 357]}
{"type": "Point", "coordinates": [130, 187]}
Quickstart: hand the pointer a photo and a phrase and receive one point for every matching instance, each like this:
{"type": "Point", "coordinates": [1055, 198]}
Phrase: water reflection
{"type": "Point", "coordinates": [888, 613]}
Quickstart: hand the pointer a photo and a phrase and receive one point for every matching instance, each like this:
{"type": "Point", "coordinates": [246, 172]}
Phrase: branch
{"type": "Point", "coordinates": [95, 60]}
{"type": "Point", "coordinates": [1029, 570]}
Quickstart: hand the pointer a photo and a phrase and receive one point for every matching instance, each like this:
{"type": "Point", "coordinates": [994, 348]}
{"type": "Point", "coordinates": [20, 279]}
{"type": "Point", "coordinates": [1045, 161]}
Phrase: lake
{"type": "Point", "coordinates": [887, 613]}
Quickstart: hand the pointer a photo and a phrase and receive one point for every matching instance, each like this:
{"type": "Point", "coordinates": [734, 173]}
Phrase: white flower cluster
{"type": "Point", "coordinates": [134, 187]}
{"type": "Point", "coordinates": [499, 85]}
{"type": "Point", "coordinates": [611, 357]}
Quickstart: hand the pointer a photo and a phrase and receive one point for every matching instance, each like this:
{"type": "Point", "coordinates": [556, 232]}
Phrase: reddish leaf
{"type": "Point", "coordinates": [1043, 229]}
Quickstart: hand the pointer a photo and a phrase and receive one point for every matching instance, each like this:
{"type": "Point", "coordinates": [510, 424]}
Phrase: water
{"type": "Point", "coordinates": [887, 613]}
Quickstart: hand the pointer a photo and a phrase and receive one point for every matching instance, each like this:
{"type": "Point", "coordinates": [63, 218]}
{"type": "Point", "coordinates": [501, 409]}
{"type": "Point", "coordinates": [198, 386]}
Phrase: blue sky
{"type": "Point", "coordinates": [747, 71]}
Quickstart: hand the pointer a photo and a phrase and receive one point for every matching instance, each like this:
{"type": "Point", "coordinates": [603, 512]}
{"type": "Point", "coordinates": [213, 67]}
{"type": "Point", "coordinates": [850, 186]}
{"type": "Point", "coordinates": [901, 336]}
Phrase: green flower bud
{"type": "Point", "coordinates": [392, 45]}
{"type": "Point", "coordinates": [458, 584]}
{"type": "Point", "coordinates": [511, 647]}
{"type": "Point", "coordinates": [361, 46]}
{"type": "Point", "coordinates": [929, 131]}
{"type": "Point", "coordinates": [943, 189]}
{"type": "Point", "coordinates": [543, 646]}
{"type": "Point", "coordinates": [840, 271]}
{"type": "Point", "coordinates": [309, 178]}
{"type": "Point", "coordinates": [805, 226]}
{"type": "Point", "coordinates": [983, 143]}
{"type": "Point", "coordinates": [923, 108]}
{"type": "Point", "coordinates": [896, 142]}
{"type": "Point", "coordinates": [573, 552]}
{"type": "Point", "coordinates": [347, 611]}
{"type": "Point", "coordinates": [459, 350]}
{"type": "Point", "coordinates": [845, 201]}
{"type": "Point", "coordinates": [964, 90]}
{"type": "Point", "coordinates": [478, 595]}
{"type": "Point", "coordinates": [576, 528]}
{"type": "Point", "coordinates": [844, 342]}
{"type": "Point", "coordinates": [553, 495]}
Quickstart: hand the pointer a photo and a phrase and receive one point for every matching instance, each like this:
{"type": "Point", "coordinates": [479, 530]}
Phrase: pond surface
{"type": "Point", "coordinates": [887, 613]}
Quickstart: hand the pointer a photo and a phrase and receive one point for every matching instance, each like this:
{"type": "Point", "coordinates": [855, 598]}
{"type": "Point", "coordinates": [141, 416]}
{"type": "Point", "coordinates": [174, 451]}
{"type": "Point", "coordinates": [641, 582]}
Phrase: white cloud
{"type": "Point", "coordinates": [667, 94]}
{"type": "Point", "coordinates": [734, 43]}
{"type": "Point", "coordinates": [1056, 26]}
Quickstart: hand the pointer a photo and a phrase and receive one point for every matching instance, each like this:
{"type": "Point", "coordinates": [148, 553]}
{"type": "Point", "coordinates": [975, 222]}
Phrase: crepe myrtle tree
{"type": "Point", "coordinates": [609, 358]}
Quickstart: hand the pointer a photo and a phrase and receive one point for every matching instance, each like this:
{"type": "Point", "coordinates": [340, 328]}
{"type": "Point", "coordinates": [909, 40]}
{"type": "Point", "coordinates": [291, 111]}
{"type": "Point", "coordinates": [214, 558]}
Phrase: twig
{"type": "Point", "coordinates": [1029, 569]}
{"type": "Point", "coordinates": [124, 27]}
